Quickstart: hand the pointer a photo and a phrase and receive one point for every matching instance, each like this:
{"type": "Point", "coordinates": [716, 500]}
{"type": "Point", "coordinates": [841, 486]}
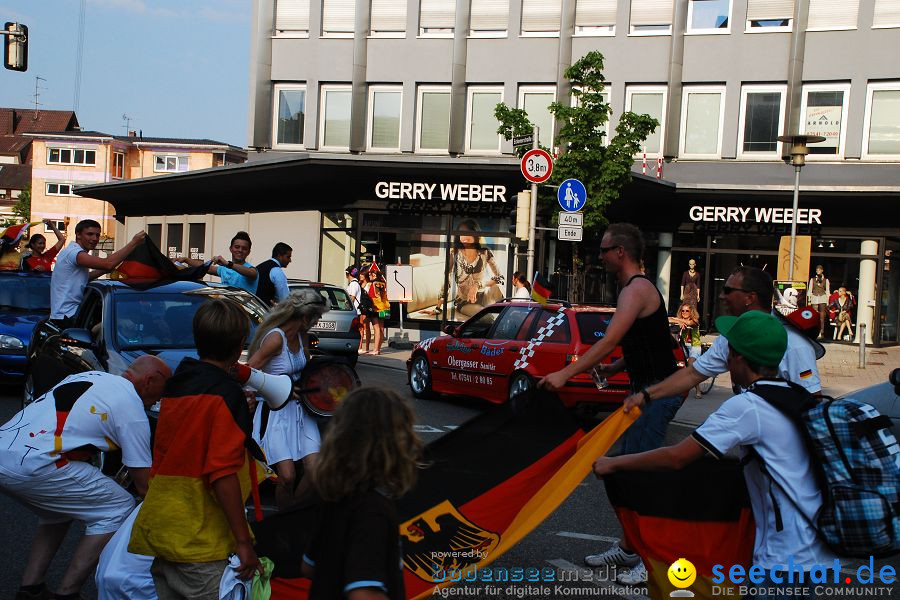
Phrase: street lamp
{"type": "Point", "coordinates": [799, 150]}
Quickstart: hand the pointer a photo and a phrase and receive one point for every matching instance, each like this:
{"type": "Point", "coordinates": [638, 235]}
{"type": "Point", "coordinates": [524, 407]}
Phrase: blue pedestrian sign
{"type": "Point", "coordinates": [571, 195]}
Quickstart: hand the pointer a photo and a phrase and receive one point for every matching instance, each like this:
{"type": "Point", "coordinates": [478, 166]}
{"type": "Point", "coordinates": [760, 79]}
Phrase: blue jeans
{"type": "Point", "coordinates": [649, 431]}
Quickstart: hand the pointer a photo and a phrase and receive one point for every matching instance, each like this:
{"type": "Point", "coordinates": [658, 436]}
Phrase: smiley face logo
{"type": "Point", "coordinates": [682, 573]}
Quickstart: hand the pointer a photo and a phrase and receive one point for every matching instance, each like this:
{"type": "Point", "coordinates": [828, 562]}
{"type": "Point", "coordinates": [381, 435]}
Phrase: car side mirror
{"type": "Point", "coordinates": [894, 378]}
{"type": "Point", "coordinates": [451, 330]}
{"type": "Point", "coordinates": [74, 336]}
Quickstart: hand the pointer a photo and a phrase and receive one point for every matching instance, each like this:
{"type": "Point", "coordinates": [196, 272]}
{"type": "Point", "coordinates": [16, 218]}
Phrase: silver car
{"type": "Point", "coordinates": [338, 329]}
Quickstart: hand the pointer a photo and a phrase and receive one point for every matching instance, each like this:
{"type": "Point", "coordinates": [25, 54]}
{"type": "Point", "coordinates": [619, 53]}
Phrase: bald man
{"type": "Point", "coordinates": [44, 451]}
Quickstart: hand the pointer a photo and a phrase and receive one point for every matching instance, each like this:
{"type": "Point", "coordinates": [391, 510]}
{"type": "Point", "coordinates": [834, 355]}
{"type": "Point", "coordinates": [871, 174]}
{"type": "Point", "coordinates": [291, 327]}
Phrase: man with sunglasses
{"type": "Point", "coordinates": [746, 289]}
{"type": "Point", "coordinates": [641, 325]}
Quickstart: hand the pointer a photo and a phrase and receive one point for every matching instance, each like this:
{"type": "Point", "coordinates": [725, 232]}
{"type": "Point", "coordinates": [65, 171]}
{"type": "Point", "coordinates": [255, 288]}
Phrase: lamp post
{"type": "Point", "coordinates": [799, 150]}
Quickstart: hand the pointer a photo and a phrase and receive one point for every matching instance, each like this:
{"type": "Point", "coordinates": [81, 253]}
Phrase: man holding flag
{"type": "Point", "coordinates": [641, 325]}
{"type": "Point", "coordinates": [74, 269]}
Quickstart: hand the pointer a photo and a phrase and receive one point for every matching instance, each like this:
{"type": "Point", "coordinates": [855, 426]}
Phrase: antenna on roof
{"type": "Point", "coordinates": [79, 57]}
{"type": "Point", "coordinates": [37, 97]}
{"type": "Point", "coordinates": [127, 120]}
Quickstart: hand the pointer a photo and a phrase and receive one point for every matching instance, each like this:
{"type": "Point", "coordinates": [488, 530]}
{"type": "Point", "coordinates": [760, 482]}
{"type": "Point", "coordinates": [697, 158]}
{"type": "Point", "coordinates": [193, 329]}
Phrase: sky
{"type": "Point", "coordinates": [177, 68]}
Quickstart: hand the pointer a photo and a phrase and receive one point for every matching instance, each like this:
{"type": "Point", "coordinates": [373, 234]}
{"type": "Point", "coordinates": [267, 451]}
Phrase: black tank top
{"type": "Point", "coordinates": [647, 346]}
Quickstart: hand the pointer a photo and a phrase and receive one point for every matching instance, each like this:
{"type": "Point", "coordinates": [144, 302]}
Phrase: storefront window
{"type": "Point", "coordinates": [338, 247]}
{"type": "Point", "coordinates": [890, 293]}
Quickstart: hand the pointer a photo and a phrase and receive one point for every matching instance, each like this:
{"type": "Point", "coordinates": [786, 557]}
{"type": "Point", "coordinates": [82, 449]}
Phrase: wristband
{"type": "Point", "coordinates": [230, 264]}
{"type": "Point", "coordinates": [646, 395]}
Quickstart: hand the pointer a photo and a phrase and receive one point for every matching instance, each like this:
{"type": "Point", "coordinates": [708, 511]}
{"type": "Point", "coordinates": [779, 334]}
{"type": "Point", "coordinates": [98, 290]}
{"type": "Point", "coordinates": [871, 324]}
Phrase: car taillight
{"type": "Point", "coordinates": [354, 325]}
{"type": "Point", "coordinates": [570, 358]}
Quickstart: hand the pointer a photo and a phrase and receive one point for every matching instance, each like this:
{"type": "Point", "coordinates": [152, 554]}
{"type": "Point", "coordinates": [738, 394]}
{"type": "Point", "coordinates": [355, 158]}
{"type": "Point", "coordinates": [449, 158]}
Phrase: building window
{"type": "Point", "coordinates": [709, 16]}
{"type": "Point", "coordinates": [649, 100]}
{"type": "Point", "coordinates": [595, 17]}
{"type": "Point", "coordinates": [170, 163]}
{"type": "Point", "coordinates": [651, 17]}
{"type": "Point", "coordinates": [828, 14]}
{"type": "Point", "coordinates": [769, 15]}
{"type": "Point", "coordinates": [887, 13]}
{"type": "Point", "coordinates": [71, 156]}
{"type": "Point", "coordinates": [292, 17]}
{"type": "Point", "coordinates": [337, 18]}
{"type": "Point", "coordinates": [824, 110]}
{"type": "Point", "coordinates": [60, 225]}
{"type": "Point", "coordinates": [433, 119]}
{"type": "Point", "coordinates": [334, 117]}
{"type": "Point", "coordinates": [437, 18]}
{"type": "Point", "coordinates": [881, 136]}
{"type": "Point", "coordinates": [388, 18]}
{"type": "Point", "coordinates": [489, 18]}
{"type": "Point", "coordinates": [541, 17]}
{"type": "Point", "coordinates": [385, 114]}
{"type": "Point", "coordinates": [289, 116]}
{"type": "Point", "coordinates": [118, 169]}
{"type": "Point", "coordinates": [761, 121]}
{"type": "Point", "coordinates": [536, 100]}
{"type": "Point", "coordinates": [703, 109]}
{"type": "Point", "coordinates": [60, 189]}
{"type": "Point", "coordinates": [481, 125]}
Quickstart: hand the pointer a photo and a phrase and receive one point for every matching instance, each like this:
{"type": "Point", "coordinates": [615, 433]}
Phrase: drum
{"type": "Point", "coordinates": [324, 383]}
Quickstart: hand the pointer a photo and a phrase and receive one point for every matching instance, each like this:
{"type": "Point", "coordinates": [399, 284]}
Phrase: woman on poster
{"type": "Point", "coordinates": [473, 270]}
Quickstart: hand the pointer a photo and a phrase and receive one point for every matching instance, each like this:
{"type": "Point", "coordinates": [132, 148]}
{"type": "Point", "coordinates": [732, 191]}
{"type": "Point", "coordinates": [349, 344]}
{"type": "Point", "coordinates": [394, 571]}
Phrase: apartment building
{"type": "Point", "coordinates": [395, 98]}
{"type": "Point", "coordinates": [63, 161]}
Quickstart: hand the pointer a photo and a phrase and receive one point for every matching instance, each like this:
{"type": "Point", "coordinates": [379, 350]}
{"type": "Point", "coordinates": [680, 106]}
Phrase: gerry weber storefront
{"type": "Point", "coordinates": [449, 219]}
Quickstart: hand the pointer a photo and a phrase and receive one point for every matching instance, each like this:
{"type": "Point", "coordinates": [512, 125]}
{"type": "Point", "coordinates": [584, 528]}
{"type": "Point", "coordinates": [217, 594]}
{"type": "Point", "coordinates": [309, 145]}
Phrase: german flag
{"type": "Point", "coordinates": [490, 483]}
{"type": "Point", "coordinates": [541, 290]}
{"type": "Point", "coordinates": [13, 234]}
{"type": "Point", "coordinates": [700, 513]}
{"type": "Point", "coordinates": [147, 263]}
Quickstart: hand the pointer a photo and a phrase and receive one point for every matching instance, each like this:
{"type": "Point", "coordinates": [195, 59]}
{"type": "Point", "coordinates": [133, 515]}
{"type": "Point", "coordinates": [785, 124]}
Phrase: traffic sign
{"type": "Point", "coordinates": [571, 219]}
{"type": "Point", "coordinates": [399, 280]}
{"type": "Point", "coordinates": [537, 166]}
{"type": "Point", "coordinates": [569, 234]}
{"type": "Point", "coordinates": [571, 195]}
{"type": "Point", "coordinates": [523, 140]}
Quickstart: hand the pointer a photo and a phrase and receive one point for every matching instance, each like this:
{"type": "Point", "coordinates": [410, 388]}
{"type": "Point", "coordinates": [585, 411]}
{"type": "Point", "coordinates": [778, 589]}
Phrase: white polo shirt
{"type": "Point", "coordinates": [67, 282]}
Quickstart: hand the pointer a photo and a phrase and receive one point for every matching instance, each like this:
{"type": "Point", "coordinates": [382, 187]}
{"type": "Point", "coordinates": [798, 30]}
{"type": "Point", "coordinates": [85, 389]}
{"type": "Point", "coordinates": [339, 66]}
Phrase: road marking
{"type": "Point", "coordinates": [614, 588]}
{"type": "Point", "coordinates": [586, 536]}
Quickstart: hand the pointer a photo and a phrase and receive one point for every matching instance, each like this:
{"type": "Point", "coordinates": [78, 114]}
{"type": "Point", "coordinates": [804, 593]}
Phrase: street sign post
{"type": "Point", "coordinates": [571, 195]}
{"type": "Point", "coordinates": [537, 165]}
{"type": "Point", "coordinates": [570, 234]}
{"type": "Point", "coordinates": [523, 140]}
{"type": "Point", "coordinates": [571, 219]}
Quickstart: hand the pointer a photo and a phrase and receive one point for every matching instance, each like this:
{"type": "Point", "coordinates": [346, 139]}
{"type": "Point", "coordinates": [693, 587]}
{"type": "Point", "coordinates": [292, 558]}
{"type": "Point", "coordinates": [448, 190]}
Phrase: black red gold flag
{"type": "Point", "coordinates": [700, 513]}
{"type": "Point", "coordinates": [147, 263]}
{"type": "Point", "coordinates": [541, 289]}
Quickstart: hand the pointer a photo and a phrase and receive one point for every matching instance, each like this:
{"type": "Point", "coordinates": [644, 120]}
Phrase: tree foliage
{"type": "Point", "coordinates": [21, 209]}
{"type": "Point", "coordinates": [603, 168]}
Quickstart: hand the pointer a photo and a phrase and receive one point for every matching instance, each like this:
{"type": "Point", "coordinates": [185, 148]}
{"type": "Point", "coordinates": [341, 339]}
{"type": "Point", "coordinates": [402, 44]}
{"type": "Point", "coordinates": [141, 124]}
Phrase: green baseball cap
{"type": "Point", "coordinates": [755, 335]}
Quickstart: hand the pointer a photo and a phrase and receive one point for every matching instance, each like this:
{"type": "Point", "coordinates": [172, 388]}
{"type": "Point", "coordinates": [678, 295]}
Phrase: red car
{"type": "Point", "coordinates": [506, 348]}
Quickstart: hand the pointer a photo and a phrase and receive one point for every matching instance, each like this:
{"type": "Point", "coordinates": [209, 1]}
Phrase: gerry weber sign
{"type": "Point", "coordinates": [761, 219]}
{"type": "Point", "coordinates": [440, 192]}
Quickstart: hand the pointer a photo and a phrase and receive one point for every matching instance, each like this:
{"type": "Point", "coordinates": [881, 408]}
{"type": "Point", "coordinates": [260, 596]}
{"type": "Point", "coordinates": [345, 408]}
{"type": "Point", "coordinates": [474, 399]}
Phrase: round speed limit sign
{"type": "Point", "coordinates": [537, 166]}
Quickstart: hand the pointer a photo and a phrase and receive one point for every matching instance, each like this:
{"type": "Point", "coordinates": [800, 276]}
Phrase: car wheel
{"type": "Point", "coordinates": [420, 377]}
{"type": "Point", "coordinates": [28, 391]}
{"type": "Point", "coordinates": [521, 386]}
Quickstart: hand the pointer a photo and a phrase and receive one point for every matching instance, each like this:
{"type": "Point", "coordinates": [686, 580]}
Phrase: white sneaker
{"type": "Point", "coordinates": [614, 556]}
{"type": "Point", "coordinates": [633, 576]}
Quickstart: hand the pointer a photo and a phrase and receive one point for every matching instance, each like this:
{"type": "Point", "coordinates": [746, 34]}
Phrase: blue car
{"type": "Point", "coordinates": [116, 323]}
{"type": "Point", "coordinates": [24, 302]}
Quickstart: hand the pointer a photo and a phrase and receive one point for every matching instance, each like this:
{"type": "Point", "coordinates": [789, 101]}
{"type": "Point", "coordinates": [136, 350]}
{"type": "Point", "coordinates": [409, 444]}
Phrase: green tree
{"type": "Point", "coordinates": [21, 209]}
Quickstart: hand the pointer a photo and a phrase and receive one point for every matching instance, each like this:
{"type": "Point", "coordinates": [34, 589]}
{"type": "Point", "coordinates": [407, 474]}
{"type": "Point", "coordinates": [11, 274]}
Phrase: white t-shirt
{"type": "Point", "coordinates": [748, 420]}
{"type": "Point", "coordinates": [355, 291]}
{"type": "Point", "coordinates": [522, 293]}
{"type": "Point", "coordinates": [67, 282]}
{"type": "Point", "coordinates": [88, 409]}
{"type": "Point", "coordinates": [798, 364]}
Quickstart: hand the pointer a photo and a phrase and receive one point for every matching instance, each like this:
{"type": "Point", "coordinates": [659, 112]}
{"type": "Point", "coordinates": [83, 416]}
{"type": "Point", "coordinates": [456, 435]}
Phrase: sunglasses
{"type": "Point", "coordinates": [687, 310]}
{"type": "Point", "coordinates": [727, 290]}
{"type": "Point", "coordinates": [605, 249]}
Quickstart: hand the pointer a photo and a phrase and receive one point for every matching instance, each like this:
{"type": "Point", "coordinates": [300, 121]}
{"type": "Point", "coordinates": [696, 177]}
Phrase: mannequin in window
{"type": "Point", "coordinates": [817, 296]}
{"type": "Point", "coordinates": [690, 284]}
{"type": "Point", "coordinates": [843, 307]}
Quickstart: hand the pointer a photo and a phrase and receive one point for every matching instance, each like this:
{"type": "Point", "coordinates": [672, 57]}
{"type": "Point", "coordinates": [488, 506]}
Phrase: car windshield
{"type": "Point", "coordinates": [25, 293]}
{"type": "Point", "coordinates": [592, 326]}
{"type": "Point", "coordinates": [162, 321]}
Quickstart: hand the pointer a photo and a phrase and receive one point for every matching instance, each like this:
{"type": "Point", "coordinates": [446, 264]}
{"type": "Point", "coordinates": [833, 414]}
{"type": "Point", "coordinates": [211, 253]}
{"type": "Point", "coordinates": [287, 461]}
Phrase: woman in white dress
{"type": "Point", "coordinates": [289, 435]}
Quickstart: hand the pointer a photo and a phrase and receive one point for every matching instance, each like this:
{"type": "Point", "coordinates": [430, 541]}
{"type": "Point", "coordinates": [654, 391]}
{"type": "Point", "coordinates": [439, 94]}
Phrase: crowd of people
{"type": "Point", "coordinates": [211, 441]}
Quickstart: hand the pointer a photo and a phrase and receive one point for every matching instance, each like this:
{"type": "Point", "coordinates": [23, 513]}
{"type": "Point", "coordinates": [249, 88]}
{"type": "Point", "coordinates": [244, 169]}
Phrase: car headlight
{"type": "Point", "coordinates": [8, 342]}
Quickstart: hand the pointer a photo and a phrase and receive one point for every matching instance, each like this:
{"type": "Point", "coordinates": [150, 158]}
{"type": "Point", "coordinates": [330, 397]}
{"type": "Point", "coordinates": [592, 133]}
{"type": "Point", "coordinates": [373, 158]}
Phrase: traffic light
{"type": "Point", "coordinates": [520, 217]}
{"type": "Point", "coordinates": [15, 46]}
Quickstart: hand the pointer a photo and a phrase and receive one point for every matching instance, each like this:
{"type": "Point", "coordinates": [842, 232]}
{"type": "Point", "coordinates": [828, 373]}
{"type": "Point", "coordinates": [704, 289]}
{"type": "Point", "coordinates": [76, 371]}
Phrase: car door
{"type": "Point", "coordinates": [550, 336]}
{"type": "Point", "coordinates": [499, 353]}
{"type": "Point", "coordinates": [456, 364]}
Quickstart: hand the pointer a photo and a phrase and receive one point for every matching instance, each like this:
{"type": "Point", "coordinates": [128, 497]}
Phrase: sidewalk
{"type": "Point", "coordinates": [838, 369]}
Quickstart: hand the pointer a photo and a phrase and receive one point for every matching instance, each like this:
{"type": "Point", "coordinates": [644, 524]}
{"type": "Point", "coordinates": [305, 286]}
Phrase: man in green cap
{"type": "Point", "coordinates": [756, 345]}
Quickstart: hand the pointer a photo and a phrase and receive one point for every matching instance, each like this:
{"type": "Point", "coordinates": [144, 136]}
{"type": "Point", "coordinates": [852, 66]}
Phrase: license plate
{"type": "Point", "coordinates": [326, 325]}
